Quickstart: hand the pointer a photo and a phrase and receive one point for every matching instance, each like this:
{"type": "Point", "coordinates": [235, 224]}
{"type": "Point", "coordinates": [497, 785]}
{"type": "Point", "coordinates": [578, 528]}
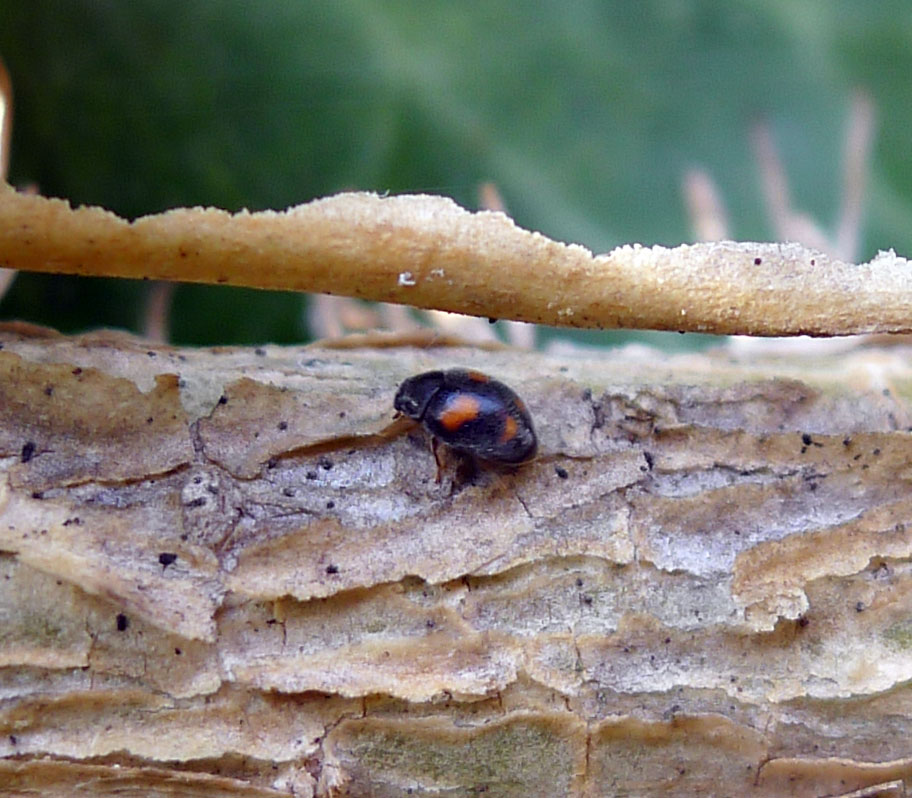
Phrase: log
{"type": "Point", "coordinates": [225, 573]}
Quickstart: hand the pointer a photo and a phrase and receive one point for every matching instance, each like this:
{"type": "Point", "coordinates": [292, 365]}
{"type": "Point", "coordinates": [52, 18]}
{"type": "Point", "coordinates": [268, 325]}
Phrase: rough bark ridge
{"type": "Point", "coordinates": [219, 578]}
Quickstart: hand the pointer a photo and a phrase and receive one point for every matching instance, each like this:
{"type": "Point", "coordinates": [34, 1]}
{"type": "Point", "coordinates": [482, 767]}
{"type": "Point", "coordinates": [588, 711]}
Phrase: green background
{"type": "Point", "coordinates": [584, 114]}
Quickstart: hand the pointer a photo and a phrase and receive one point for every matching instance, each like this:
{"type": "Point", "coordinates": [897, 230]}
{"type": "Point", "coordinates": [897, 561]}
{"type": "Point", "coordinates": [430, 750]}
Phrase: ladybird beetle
{"type": "Point", "coordinates": [471, 413]}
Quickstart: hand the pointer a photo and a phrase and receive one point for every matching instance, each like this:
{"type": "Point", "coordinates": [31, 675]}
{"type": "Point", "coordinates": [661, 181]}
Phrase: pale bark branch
{"type": "Point", "coordinates": [220, 577]}
{"type": "Point", "coordinates": [428, 252]}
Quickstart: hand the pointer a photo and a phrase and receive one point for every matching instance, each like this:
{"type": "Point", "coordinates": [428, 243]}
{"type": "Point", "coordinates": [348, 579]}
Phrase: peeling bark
{"type": "Point", "coordinates": [223, 574]}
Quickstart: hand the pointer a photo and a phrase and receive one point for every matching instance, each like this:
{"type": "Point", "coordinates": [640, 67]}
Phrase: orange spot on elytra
{"type": "Point", "coordinates": [478, 376]}
{"type": "Point", "coordinates": [509, 430]}
{"type": "Point", "coordinates": [459, 410]}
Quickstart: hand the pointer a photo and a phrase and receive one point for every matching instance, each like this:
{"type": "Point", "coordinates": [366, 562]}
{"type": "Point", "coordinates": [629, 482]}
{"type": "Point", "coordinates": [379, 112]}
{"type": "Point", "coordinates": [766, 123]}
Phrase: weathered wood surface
{"type": "Point", "coordinates": [216, 582]}
{"type": "Point", "coordinates": [426, 251]}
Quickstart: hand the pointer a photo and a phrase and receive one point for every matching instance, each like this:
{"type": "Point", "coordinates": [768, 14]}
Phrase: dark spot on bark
{"type": "Point", "coordinates": [650, 460]}
{"type": "Point", "coordinates": [311, 475]}
{"type": "Point", "coordinates": [123, 622]}
{"type": "Point", "coordinates": [28, 451]}
{"type": "Point", "coordinates": [259, 351]}
{"type": "Point", "coordinates": [881, 571]}
{"type": "Point", "coordinates": [167, 558]}
{"type": "Point", "coordinates": [561, 472]}
{"type": "Point", "coordinates": [758, 261]}
{"type": "Point", "coordinates": [198, 502]}
{"type": "Point", "coordinates": [49, 390]}
{"type": "Point", "coordinates": [806, 439]}
{"type": "Point", "coordinates": [330, 504]}
{"type": "Point", "coordinates": [283, 425]}
{"type": "Point", "coordinates": [178, 651]}
{"type": "Point", "coordinates": [325, 463]}
{"type": "Point", "coordinates": [332, 569]}
{"type": "Point", "coordinates": [223, 400]}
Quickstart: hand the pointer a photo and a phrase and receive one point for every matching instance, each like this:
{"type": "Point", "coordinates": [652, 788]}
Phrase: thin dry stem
{"type": "Point", "coordinates": [859, 139]}
{"type": "Point", "coordinates": [6, 129]}
{"type": "Point", "coordinates": [705, 206]}
{"type": "Point", "coordinates": [427, 252]}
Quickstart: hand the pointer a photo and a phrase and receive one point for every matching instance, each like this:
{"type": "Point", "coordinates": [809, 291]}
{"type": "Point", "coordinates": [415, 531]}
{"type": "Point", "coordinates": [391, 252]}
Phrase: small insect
{"type": "Point", "coordinates": [471, 413]}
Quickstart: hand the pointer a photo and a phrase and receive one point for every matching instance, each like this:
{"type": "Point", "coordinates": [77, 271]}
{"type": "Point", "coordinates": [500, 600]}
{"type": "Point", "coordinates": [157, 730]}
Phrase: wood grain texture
{"type": "Point", "coordinates": [221, 574]}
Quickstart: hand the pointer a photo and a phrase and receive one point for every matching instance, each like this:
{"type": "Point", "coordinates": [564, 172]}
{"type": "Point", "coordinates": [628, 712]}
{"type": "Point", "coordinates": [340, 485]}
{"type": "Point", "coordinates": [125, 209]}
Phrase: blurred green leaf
{"type": "Point", "coordinates": [584, 114]}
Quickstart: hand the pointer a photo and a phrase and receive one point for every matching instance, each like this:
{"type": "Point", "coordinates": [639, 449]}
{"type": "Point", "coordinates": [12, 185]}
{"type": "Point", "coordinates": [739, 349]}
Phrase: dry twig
{"type": "Point", "coordinates": [427, 252]}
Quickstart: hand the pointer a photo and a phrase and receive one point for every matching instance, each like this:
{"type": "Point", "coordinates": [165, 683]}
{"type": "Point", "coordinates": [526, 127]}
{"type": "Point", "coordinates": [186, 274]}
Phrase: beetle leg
{"type": "Point", "coordinates": [435, 448]}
